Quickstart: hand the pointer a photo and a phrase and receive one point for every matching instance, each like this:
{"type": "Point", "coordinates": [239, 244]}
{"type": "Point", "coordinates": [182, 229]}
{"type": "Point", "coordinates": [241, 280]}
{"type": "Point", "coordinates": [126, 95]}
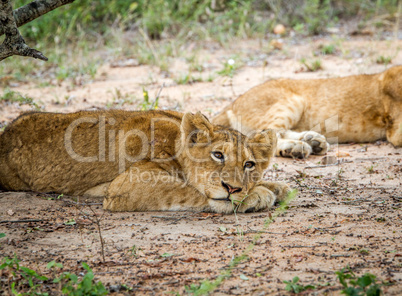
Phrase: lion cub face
{"type": "Point", "coordinates": [222, 163]}
{"type": "Point", "coordinates": [392, 84]}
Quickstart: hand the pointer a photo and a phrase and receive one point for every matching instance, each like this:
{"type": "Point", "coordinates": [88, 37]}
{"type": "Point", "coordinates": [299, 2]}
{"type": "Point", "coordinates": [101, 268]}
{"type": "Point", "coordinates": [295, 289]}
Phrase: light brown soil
{"type": "Point", "coordinates": [345, 214]}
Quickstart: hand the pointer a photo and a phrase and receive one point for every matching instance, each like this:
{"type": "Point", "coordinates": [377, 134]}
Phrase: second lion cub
{"type": "Point", "coordinates": [360, 108]}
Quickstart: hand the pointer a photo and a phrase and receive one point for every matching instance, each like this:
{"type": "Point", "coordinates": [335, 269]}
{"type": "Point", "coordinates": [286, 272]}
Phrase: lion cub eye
{"type": "Point", "coordinates": [249, 165]}
{"type": "Point", "coordinates": [218, 155]}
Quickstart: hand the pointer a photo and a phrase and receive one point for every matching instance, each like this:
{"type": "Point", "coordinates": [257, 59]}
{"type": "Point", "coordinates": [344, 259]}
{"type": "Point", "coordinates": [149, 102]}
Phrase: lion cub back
{"type": "Point", "coordinates": [52, 152]}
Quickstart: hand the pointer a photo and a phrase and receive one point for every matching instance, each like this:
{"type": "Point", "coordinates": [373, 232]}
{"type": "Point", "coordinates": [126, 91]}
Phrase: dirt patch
{"type": "Point", "coordinates": [345, 214]}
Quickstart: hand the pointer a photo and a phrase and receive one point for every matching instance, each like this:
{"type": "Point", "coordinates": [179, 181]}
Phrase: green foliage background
{"type": "Point", "coordinates": [169, 18]}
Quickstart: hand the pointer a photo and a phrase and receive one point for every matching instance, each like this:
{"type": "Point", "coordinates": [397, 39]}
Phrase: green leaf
{"type": "Point", "coordinates": [52, 264]}
{"type": "Point", "coordinates": [167, 255]}
{"type": "Point", "coordinates": [70, 222]}
{"type": "Point", "coordinates": [2, 235]}
{"type": "Point", "coordinates": [351, 291]}
{"type": "Point", "coordinates": [374, 290]}
{"type": "Point", "coordinates": [365, 280]}
{"type": "Point", "coordinates": [243, 277]}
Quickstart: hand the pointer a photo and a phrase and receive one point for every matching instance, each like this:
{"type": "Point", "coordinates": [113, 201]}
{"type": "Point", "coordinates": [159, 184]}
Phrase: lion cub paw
{"type": "Point", "coordinates": [318, 142]}
{"type": "Point", "coordinates": [293, 148]}
{"type": "Point", "coordinates": [263, 196]}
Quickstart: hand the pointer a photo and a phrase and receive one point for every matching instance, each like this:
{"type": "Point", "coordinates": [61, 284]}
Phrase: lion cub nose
{"type": "Point", "coordinates": [231, 189]}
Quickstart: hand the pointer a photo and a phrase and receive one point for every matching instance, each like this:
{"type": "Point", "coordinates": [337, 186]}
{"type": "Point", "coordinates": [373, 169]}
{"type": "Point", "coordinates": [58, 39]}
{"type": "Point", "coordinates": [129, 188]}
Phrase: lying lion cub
{"type": "Point", "coordinates": [140, 161]}
{"type": "Point", "coordinates": [361, 108]}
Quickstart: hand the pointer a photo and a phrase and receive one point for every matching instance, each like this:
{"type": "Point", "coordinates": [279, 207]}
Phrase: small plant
{"type": "Point", "coordinates": [134, 250]}
{"type": "Point", "coordinates": [299, 28]}
{"type": "Point", "coordinates": [31, 278]}
{"type": "Point", "coordinates": [204, 288]}
{"type": "Point", "coordinates": [87, 286]}
{"type": "Point", "coordinates": [70, 222]}
{"type": "Point", "coordinates": [147, 104]}
{"type": "Point", "coordinates": [293, 286]}
{"type": "Point", "coordinates": [366, 285]}
{"type": "Point", "coordinates": [364, 251]}
{"type": "Point", "coordinates": [328, 49]}
{"type": "Point", "coordinates": [2, 234]}
{"type": "Point", "coordinates": [371, 169]}
{"type": "Point", "coordinates": [194, 64]}
{"type": "Point", "coordinates": [119, 99]}
{"type": "Point", "coordinates": [312, 66]}
{"type": "Point", "coordinates": [187, 79]}
{"type": "Point", "coordinates": [235, 209]}
{"type": "Point", "coordinates": [229, 68]}
{"type": "Point", "coordinates": [385, 60]}
{"type": "Point", "coordinates": [16, 97]}
{"type": "Point", "coordinates": [275, 166]}
{"type": "Point", "coordinates": [316, 15]}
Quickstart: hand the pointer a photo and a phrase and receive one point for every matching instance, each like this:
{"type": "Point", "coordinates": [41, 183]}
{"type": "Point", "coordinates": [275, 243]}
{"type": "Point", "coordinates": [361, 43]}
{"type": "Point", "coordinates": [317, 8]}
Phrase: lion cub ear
{"type": "Point", "coordinates": [263, 145]}
{"type": "Point", "coordinates": [392, 81]}
{"type": "Point", "coordinates": [194, 127]}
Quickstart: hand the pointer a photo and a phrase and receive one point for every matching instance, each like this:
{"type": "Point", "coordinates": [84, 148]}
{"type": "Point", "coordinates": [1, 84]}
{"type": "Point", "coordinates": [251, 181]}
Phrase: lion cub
{"type": "Point", "coordinates": [360, 108]}
{"type": "Point", "coordinates": [140, 161]}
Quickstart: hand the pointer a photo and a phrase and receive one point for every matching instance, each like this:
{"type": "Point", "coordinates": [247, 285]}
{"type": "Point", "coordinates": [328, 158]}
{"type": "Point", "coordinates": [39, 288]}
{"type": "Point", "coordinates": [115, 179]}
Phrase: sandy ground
{"type": "Point", "coordinates": [345, 214]}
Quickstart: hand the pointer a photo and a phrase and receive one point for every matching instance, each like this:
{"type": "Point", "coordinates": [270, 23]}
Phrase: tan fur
{"type": "Point", "coordinates": [360, 108]}
{"type": "Point", "coordinates": [139, 161]}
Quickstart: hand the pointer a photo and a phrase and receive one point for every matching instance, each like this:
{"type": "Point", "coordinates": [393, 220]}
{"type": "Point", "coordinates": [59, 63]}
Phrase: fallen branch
{"type": "Point", "coordinates": [21, 221]}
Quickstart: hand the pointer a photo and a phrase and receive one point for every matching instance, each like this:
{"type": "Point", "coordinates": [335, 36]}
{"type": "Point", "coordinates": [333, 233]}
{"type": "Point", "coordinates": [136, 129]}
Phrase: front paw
{"type": "Point", "coordinates": [280, 189]}
{"type": "Point", "coordinates": [293, 148]}
{"type": "Point", "coordinates": [318, 142]}
{"type": "Point", "coordinates": [260, 198]}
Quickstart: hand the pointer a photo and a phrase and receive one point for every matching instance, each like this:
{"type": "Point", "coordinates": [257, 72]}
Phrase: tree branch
{"type": "Point", "coordinates": [35, 9]}
{"type": "Point", "coordinates": [14, 44]}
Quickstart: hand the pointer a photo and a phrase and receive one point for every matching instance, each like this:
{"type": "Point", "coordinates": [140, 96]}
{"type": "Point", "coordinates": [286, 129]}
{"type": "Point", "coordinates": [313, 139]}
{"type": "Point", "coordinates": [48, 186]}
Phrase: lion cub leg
{"type": "Point", "coordinates": [263, 196]}
{"type": "Point", "coordinates": [301, 145]}
{"type": "Point", "coordinates": [147, 187]}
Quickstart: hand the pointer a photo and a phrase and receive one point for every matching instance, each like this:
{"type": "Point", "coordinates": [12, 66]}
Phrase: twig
{"type": "Point", "coordinates": [21, 221]}
{"type": "Point", "coordinates": [150, 45]}
{"type": "Point", "coordinates": [83, 204]}
{"type": "Point", "coordinates": [325, 228]}
{"type": "Point", "coordinates": [97, 221]}
{"type": "Point", "coordinates": [157, 96]}
{"type": "Point", "coordinates": [298, 246]}
{"type": "Point", "coordinates": [250, 230]}
{"type": "Point", "coordinates": [398, 16]}
{"type": "Point", "coordinates": [14, 44]}
{"type": "Point", "coordinates": [170, 217]}
{"type": "Point", "coordinates": [328, 165]}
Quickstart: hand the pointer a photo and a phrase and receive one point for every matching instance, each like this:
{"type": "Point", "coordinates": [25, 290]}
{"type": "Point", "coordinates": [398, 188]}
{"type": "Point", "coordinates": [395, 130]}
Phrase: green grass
{"type": "Point", "coordinates": [159, 29]}
{"type": "Point", "coordinates": [312, 65]}
{"type": "Point", "coordinates": [365, 285]}
{"type": "Point", "coordinates": [328, 49]}
{"type": "Point", "coordinates": [230, 67]}
{"type": "Point", "coordinates": [293, 286]}
{"type": "Point", "coordinates": [187, 78]}
{"type": "Point", "coordinates": [26, 281]}
{"type": "Point", "coordinates": [385, 60]}
{"type": "Point", "coordinates": [16, 97]}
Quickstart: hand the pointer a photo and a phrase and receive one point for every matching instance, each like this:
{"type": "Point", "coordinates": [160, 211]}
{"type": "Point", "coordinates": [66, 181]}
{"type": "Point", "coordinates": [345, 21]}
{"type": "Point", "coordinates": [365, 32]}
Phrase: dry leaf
{"type": "Point", "coordinates": [342, 154]}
